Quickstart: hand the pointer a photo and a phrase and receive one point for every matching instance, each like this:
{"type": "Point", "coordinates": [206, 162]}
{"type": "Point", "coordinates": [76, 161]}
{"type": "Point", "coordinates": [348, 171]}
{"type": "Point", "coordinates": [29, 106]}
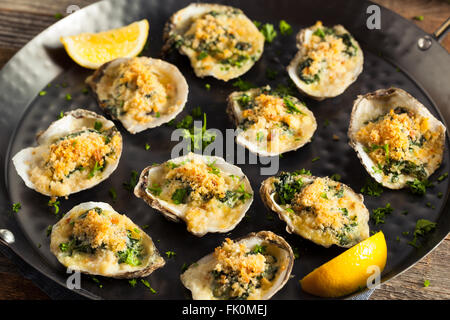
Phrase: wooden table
{"type": "Point", "coordinates": [21, 20]}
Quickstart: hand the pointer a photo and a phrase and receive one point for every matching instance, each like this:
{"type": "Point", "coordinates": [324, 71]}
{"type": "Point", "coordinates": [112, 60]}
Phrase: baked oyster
{"type": "Point", "coordinates": [270, 124]}
{"type": "Point", "coordinates": [319, 209]}
{"type": "Point", "coordinates": [76, 152]}
{"type": "Point", "coordinates": [95, 239]}
{"type": "Point", "coordinates": [396, 138]}
{"type": "Point", "coordinates": [254, 267]}
{"type": "Point", "coordinates": [219, 40]}
{"type": "Point", "coordinates": [140, 92]}
{"type": "Point", "coordinates": [209, 194]}
{"type": "Point", "coordinates": [328, 61]}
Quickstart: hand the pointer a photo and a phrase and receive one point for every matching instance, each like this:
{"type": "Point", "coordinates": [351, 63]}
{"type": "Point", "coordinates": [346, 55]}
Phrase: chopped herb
{"type": "Point", "coordinates": [170, 254]}
{"type": "Point", "coordinates": [202, 55]}
{"type": "Point", "coordinates": [61, 115]}
{"type": "Point", "coordinates": [180, 195]}
{"type": "Point", "coordinates": [258, 249]}
{"type": "Point", "coordinates": [372, 188]}
{"type": "Point", "coordinates": [440, 195]}
{"type": "Point", "coordinates": [42, 93]}
{"type": "Point", "coordinates": [184, 267]}
{"type": "Point", "coordinates": [48, 231]}
{"type": "Point", "coordinates": [133, 181]}
{"type": "Point", "coordinates": [147, 284]}
{"type": "Point", "coordinates": [243, 85]}
{"type": "Point", "coordinates": [197, 112]}
{"type": "Point", "coordinates": [58, 16]}
{"type": "Point", "coordinates": [157, 114]}
{"type": "Point", "coordinates": [257, 23]}
{"type": "Point", "coordinates": [285, 28]}
{"type": "Point", "coordinates": [259, 136]}
{"type": "Point", "coordinates": [324, 195]}
{"type": "Point", "coordinates": [214, 169]}
{"type": "Point", "coordinates": [268, 32]}
{"type": "Point", "coordinates": [426, 283]}
{"type": "Point", "coordinates": [319, 32]}
{"type": "Point", "coordinates": [296, 253]}
{"type": "Point", "coordinates": [97, 281]}
{"type": "Point", "coordinates": [284, 90]}
{"type": "Point", "coordinates": [326, 123]}
{"type": "Point", "coordinates": [303, 171]}
{"type": "Point", "coordinates": [147, 146]}
{"type": "Point", "coordinates": [98, 125]}
{"type": "Point", "coordinates": [336, 177]}
{"type": "Point", "coordinates": [315, 159]}
{"type": "Point", "coordinates": [155, 189]}
{"type": "Point", "coordinates": [419, 187]}
{"type": "Point", "coordinates": [442, 177]}
{"type": "Point", "coordinates": [422, 228]}
{"type": "Point", "coordinates": [132, 282]}
{"type": "Point", "coordinates": [16, 207]}
{"type": "Point", "coordinates": [208, 86]}
{"type": "Point", "coordinates": [54, 204]}
{"type": "Point", "coordinates": [68, 97]}
{"type": "Point", "coordinates": [85, 91]}
{"type": "Point", "coordinates": [97, 167]}
{"type": "Point", "coordinates": [292, 108]}
{"type": "Point", "coordinates": [379, 214]}
{"type": "Point", "coordinates": [112, 192]}
{"type": "Point", "coordinates": [418, 18]}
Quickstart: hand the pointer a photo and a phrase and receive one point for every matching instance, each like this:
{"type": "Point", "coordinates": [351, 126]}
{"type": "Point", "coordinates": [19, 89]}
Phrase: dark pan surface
{"type": "Point", "coordinates": [391, 59]}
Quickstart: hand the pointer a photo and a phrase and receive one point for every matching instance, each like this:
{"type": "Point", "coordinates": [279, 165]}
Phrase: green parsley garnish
{"type": "Point", "coordinates": [208, 86]}
{"type": "Point", "coordinates": [423, 226]}
{"type": "Point", "coordinates": [336, 177]}
{"type": "Point", "coordinates": [98, 125]}
{"type": "Point", "coordinates": [258, 249]}
{"type": "Point", "coordinates": [180, 195]}
{"type": "Point", "coordinates": [268, 32]}
{"type": "Point", "coordinates": [85, 90]}
{"type": "Point", "coordinates": [418, 18]}
{"type": "Point", "coordinates": [133, 181]}
{"type": "Point", "coordinates": [315, 159]}
{"type": "Point", "coordinates": [42, 93]}
{"type": "Point", "coordinates": [419, 187]}
{"type": "Point", "coordinates": [97, 167]}
{"type": "Point", "coordinates": [285, 28]}
{"type": "Point", "coordinates": [372, 188]}
{"type": "Point", "coordinates": [48, 231]}
{"type": "Point", "coordinates": [170, 254]}
{"type": "Point", "coordinates": [442, 177]}
{"type": "Point", "coordinates": [58, 16]}
{"type": "Point", "coordinates": [214, 169]}
{"type": "Point", "coordinates": [147, 146]}
{"type": "Point", "coordinates": [112, 192]}
{"type": "Point", "coordinates": [243, 85]}
{"type": "Point", "coordinates": [379, 214]}
{"type": "Point", "coordinates": [132, 282]}
{"type": "Point", "coordinates": [16, 207]}
{"type": "Point", "coordinates": [155, 189]}
{"type": "Point", "coordinates": [292, 108]}
{"type": "Point", "coordinates": [68, 97]}
{"type": "Point", "coordinates": [426, 283]}
{"type": "Point", "coordinates": [147, 284]}
{"type": "Point", "coordinates": [54, 204]}
{"type": "Point", "coordinates": [202, 55]}
{"type": "Point", "coordinates": [61, 115]}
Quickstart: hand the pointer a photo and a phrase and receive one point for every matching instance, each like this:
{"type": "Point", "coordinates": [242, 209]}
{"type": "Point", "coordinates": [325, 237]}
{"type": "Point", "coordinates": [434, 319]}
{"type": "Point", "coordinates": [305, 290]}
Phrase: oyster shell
{"type": "Point", "coordinates": [339, 65]}
{"type": "Point", "coordinates": [95, 239]}
{"type": "Point", "coordinates": [219, 40]}
{"type": "Point", "coordinates": [199, 277]}
{"type": "Point", "coordinates": [209, 194]}
{"type": "Point", "coordinates": [413, 138]}
{"type": "Point", "coordinates": [294, 127]}
{"type": "Point", "coordinates": [318, 209]}
{"type": "Point", "coordinates": [75, 153]}
{"type": "Point", "coordinates": [140, 92]}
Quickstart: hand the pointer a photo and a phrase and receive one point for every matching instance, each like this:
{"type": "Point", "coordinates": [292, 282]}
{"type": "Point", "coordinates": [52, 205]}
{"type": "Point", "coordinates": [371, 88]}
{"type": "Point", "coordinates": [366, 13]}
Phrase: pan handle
{"type": "Point", "coordinates": [6, 237]}
{"type": "Point", "coordinates": [440, 33]}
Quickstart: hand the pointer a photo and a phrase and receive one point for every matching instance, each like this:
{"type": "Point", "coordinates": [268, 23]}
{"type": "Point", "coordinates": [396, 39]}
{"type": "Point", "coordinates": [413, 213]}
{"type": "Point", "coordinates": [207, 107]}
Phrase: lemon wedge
{"type": "Point", "coordinates": [91, 50]}
{"type": "Point", "coordinates": [349, 271]}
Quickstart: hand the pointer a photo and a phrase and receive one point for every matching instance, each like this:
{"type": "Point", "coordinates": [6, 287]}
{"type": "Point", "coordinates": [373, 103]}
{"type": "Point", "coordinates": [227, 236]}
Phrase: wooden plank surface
{"type": "Point", "coordinates": [21, 20]}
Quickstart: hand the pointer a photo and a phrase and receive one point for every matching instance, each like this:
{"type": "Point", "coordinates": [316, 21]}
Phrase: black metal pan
{"type": "Point", "coordinates": [392, 58]}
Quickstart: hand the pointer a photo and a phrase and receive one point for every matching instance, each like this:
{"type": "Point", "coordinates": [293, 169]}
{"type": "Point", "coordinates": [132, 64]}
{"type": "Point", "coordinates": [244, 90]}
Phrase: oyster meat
{"type": "Point", "coordinates": [219, 40]}
{"type": "Point", "coordinates": [328, 61]}
{"type": "Point", "coordinates": [76, 152]}
{"type": "Point", "coordinates": [140, 92]}
{"type": "Point", "coordinates": [254, 267]}
{"type": "Point", "coordinates": [319, 209]}
{"type": "Point", "coordinates": [396, 138]}
{"type": "Point", "coordinates": [95, 239]}
{"type": "Point", "coordinates": [209, 194]}
{"type": "Point", "coordinates": [270, 124]}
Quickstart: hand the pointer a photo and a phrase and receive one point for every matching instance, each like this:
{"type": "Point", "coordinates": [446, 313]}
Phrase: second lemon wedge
{"type": "Point", "coordinates": [91, 50]}
{"type": "Point", "coordinates": [349, 271]}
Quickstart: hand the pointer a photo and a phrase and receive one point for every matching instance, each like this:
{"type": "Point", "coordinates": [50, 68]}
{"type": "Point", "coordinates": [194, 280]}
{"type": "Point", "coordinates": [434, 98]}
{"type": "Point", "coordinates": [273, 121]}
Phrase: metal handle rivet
{"type": "Point", "coordinates": [7, 236]}
{"type": "Point", "coordinates": [425, 42]}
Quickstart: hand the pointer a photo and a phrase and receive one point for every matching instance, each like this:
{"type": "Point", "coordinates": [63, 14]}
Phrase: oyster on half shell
{"type": "Point", "coordinates": [95, 239]}
{"type": "Point", "coordinates": [208, 193]}
{"type": "Point", "coordinates": [140, 92]}
{"type": "Point", "coordinates": [395, 137]}
{"type": "Point", "coordinates": [319, 209]}
{"type": "Point", "coordinates": [328, 61]}
{"type": "Point", "coordinates": [219, 40]}
{"type": "Point", "coordinates": [254, 267]}
{"type": "Point", "coordinates": [270, 124]}
{"type": "Point", "coordinates": [75, 153]}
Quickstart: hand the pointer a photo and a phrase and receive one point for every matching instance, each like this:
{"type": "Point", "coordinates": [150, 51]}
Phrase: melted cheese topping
{"type": "Point", "coordinates": [224, 40]}
{"type": "Point", "coordinates": [401, 136]}
{"type": "Point", "coordinates": [208, 197]}
{"type": "Point", "coordinates": [136, 91]}
{"type": "Point", "coordinates": [74, 161]}
{"type": "Point", "coordinates": [274, 126]}
{"type": "Point", "coordinates": [326, 212]}
{"type": "Point", "coordinates": [329, 60]}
